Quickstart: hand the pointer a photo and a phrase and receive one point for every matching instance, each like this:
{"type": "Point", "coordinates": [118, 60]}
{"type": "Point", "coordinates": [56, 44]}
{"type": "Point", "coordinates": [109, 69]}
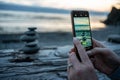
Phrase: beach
{"type": "Point", "coordinates": [12, 41]}
{"type": "Point", "coordinates": [50, 63]}
{"type": "Point", "coordinates": [53, 29]}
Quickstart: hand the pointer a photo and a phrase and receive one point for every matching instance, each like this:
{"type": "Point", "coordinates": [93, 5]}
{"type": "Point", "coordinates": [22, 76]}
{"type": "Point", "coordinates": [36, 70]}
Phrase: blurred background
{"type": "Point", "coordinates": [52, 19]}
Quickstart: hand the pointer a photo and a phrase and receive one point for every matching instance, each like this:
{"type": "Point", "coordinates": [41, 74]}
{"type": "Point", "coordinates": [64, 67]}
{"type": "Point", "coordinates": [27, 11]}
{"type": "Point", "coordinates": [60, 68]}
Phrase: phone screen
{"type": "Point", "coordinates": [82, 29]}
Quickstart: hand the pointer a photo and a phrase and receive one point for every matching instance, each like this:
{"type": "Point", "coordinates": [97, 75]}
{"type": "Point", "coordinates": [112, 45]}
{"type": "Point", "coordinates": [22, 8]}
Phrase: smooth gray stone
{"type": "Point", "coordinates": [30, 50]}
{"type": "Point", "coordinates": [63, 51]}
{"type": "Point", "coordinates": [32, 28]}
{"type": "Point", "coordinates": [28, 38]}
{"type": "Point", "coordinates": [31, 33]}
{"type": "Point", "coordinates": [114, 38]}
{"type": "Point", "coordinates": [32, 44]}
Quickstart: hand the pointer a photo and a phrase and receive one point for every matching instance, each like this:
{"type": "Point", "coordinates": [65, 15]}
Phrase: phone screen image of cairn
{"type": "Point", "coordinates": [82, 30]}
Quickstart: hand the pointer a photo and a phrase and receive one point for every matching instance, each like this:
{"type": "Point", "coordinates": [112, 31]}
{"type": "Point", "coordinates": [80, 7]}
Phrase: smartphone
{"type": "Point", "coordinates": [81, 28]}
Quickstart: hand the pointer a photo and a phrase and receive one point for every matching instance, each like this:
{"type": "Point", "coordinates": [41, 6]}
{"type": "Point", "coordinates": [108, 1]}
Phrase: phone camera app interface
{"type": "Point", "coordinates": [82, 30]}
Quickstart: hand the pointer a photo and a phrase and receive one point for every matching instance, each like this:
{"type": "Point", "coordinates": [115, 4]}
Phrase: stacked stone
{"type": "Point", "coordinates": [31, 42]}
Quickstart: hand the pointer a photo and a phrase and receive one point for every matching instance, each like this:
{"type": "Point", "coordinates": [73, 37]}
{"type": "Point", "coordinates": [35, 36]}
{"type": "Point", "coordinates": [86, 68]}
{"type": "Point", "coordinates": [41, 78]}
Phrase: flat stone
{"type": "Point", "coordinates": [32, 44]}
{"type": "Point", "coordinates": [63, 51]}
{"type": "Point", "coordinates": [27, 59]}
{"type": "Point", "coordinates": [28, 38]}
{"type": "Point", "coordinates": [30, 50]}
{"type": "Point", "coordinates": [114, 38]}
{"type": "Point", "coordinates": [20, 57]}
{"type": "Point", "coordinates": [31, 33]}
{"type": "Point", "coordinates": [32, 28]}
{"type": "Point", "coordinates": [46, 53]}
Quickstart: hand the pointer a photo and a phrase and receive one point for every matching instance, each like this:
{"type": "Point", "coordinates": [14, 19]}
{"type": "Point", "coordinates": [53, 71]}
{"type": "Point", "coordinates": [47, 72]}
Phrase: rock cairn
{"type": "Point", "coordinates": [31, 42]}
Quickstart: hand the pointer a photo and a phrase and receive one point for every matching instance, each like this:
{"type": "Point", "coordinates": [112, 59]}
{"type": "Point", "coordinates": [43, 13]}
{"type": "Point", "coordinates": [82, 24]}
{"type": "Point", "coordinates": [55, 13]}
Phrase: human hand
{"type": "Point", "coordinates": [83, 70]}
{"type": "Point", "coordinates": [103, 59]}
{"type": "Point", "coordinates": [97, 44]}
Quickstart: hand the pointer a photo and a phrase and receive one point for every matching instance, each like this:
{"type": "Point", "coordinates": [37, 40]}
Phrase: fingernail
{"type": "Point", "coordinates": [74, 38]}
{"type": "Point", "coordinates": [88, 52]}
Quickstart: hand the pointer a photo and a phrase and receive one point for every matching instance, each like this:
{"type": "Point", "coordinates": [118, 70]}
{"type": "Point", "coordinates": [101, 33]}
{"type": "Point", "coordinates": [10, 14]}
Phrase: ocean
{"type": "Point", "coordinates": [19, 21]}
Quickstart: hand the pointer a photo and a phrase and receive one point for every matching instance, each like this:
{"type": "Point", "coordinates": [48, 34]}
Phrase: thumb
{"type": "Point", "coordinates": [97, 43]}
{"type": "Point", "coordinates": [95, 51]}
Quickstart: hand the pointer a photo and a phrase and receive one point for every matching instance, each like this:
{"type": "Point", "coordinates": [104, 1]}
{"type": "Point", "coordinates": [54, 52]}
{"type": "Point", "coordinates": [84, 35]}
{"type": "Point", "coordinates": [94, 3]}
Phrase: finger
{"type": "Point", "coordinates": [74, 60]}
{"type": "Point", "coordinates": [69, 70]}
{"type": "Point", "coordinates": [90, 53]}
{"type": "Point", "coordinates": [69, 62]}
{"type": "Point", "coordinates": [81, 50]}
{"type": "Point", "coordinates": [96, 51]}
{"type": "Point", "coordinates": [71, 75]}
{"type": "Point", "coordinates": [93, 61]}
{"type": "Point", "coordinates": [72, 50]}
{"type": "Point", "coordinates": [96, 43]}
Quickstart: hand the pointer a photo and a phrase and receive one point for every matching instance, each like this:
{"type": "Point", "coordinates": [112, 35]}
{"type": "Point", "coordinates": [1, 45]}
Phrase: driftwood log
{"type": "Point", "coordinates": [48, 64]}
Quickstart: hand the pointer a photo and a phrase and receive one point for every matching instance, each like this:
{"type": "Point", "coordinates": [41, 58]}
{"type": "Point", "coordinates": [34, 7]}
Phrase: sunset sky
{"type": "Point", "coordinates": [98, 5]}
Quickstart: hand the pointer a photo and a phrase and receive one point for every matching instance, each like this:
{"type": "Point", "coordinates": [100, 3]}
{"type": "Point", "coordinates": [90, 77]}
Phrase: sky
{"type": "Point", "coordinates": [97, 5]}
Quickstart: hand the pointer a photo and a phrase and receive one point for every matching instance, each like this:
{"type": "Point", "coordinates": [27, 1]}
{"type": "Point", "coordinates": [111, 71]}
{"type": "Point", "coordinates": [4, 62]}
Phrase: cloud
{"type": "Point", "coordinates": [101, 5]}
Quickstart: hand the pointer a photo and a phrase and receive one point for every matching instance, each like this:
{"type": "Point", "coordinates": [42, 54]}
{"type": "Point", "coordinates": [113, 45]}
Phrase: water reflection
{"type": "Point", "coordinates": [17, 22]}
